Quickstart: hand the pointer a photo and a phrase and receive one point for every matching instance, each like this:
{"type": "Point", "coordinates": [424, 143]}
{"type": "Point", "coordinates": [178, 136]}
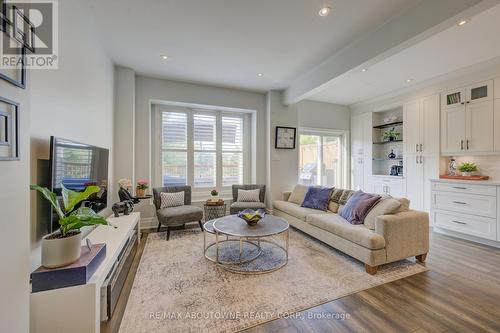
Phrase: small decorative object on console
{"type": "Point", "coordinates": [452, 167]}
{"type": "Point", "coordinates": [467, 168]}
{"type": "Point", "coordinates": [252, 217]}
{"type": "Point", "coordinates": [142, 186]}
{"type": "Point", "coordinates": [125, 207]}
{"type": "Point", "coordinates": [391, 154]}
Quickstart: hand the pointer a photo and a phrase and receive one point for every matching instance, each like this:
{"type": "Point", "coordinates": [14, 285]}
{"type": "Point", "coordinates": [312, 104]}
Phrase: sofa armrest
{"type": "Point", "coordinates": [406, 234]}
{"type": "Point", "coordinates": [286, 195]}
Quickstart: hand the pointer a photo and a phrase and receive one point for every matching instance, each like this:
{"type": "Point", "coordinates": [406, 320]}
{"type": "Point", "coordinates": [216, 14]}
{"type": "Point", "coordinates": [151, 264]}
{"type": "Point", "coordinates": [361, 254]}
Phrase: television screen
{"type": "Point", "coordinates": [75, 166]}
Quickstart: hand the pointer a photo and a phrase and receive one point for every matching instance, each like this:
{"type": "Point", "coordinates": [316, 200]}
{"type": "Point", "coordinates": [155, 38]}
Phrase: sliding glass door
{"type": "Point", "coordinates": [321, 158]}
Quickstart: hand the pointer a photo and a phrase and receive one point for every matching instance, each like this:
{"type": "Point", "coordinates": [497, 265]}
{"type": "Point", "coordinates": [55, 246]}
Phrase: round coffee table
{"type": "Point", "coordinates": [264, 232]}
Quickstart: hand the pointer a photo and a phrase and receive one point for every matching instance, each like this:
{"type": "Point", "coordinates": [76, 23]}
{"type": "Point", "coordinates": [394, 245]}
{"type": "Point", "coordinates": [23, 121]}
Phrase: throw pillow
{"type": "Point", "coordinates": [171, 199]}
{"type": "Point", "coordinates": [317, 198]}
{"type": "Point", "coordinates": [248, 195]}
{"type": "Point", "coordinates": [333, 205]}
{"type": "Point", "coordinates": [298, 194]}
{"type": "Point", "coordinates": [358, 206]}
{"type": "Point", "coordinates": [405, 205]}
{"type": "Point", "coordinates": [386, 206]}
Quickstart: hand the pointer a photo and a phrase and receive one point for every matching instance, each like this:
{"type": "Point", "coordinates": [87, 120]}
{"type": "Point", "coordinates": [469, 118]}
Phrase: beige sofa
{"type": "Point", "coordinates": [395, 237]}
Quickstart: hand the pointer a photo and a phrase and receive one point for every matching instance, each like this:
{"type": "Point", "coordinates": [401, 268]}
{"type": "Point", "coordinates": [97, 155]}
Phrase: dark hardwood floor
{"type": "Point", "coordinates": [459, 293]}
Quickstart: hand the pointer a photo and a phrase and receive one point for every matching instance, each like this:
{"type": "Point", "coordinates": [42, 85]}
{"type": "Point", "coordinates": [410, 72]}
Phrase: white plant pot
{"type": "Point", "coordinates": [466, 174]}
{"type": "Point", "coordinates": [59, 252]}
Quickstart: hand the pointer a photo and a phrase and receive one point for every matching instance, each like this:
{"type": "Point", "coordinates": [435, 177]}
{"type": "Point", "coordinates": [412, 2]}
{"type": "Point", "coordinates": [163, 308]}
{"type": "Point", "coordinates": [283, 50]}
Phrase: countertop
{"type": "Point", "coordinates": [471, 182]}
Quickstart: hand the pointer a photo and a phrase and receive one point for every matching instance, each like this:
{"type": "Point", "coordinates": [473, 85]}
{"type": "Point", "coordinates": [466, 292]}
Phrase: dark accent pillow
{"type": "Point", "coordinates": [358, 206]}
{"type": "Point", "coordinates": [317, 198]}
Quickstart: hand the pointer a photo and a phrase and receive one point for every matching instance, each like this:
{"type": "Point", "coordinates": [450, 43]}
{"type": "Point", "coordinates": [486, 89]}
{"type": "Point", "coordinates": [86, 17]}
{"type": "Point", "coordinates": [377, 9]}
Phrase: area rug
{"type": "Point", "coordinates": [177, 290]}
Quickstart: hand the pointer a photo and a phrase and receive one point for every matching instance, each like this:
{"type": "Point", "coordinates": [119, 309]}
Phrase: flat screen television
{"type": "Point", "coordinates": [77, 165]}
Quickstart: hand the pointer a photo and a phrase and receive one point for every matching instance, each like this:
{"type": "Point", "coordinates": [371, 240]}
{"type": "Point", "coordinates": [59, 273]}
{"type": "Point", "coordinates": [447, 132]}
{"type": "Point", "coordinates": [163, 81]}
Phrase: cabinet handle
{"type": "Point", "coordinates": [467, 144]}
{"type": "Point", "coordinates": [416, 159]}
{"type": "Point", "coordinates": [468, 102]}
{"type": "Point", "coordinates": [462, 103]}
{"type": "Point", "coordinates": [458, 222]}
{"type": "Point", "coordinates": [421, 148]}
{"type": "Point", "coordinates": [462, 144]}
{"type": "Point", "coordinates": [416, 147]}
{"type": "Point", "coordinates": [460, 188]}
{"type": "Point", "coordinates": [460, 202]}
{"type": "Point", "coordinates": [421, 159]}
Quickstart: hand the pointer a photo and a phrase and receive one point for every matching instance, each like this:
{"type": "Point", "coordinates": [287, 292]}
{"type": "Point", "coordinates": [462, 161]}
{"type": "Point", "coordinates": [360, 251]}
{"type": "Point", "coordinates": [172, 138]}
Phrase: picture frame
{"type": "Point", "coordinates": [16, 76]}
{"type": "Point", "coordinates": [4, 21]}
{"type": "Point", "coordinates": [25, 35]}
{"type": "Point", "coordinates": [285, 137]}
{"type": "Point", "coordinates": [9, 130]}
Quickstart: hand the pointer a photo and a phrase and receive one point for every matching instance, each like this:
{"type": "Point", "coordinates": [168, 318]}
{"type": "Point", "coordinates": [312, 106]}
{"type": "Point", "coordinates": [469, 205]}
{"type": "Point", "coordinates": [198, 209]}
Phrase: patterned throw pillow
{"type": "Point", "coordinates": [171, 199]}
{"type": "Point", "coordinates": [248, 195]}
{"type": "Point", "coordinates": [358, 206]}
{"type": "Point", "coordinates": [317, 198]}
{"type": "Point", "coordinates": [338, 198]}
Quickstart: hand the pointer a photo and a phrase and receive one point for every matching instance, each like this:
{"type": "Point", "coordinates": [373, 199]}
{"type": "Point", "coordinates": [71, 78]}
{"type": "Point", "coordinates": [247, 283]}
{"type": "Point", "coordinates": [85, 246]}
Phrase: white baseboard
{"type": "Point", "coordinates": [467, 237]}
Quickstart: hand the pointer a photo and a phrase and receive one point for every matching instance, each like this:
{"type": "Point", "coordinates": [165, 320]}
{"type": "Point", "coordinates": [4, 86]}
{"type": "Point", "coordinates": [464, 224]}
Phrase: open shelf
{"type": "Point", "coordinates": [385, 142]}
{"type": "Point", "coordinates": [388, 159]}
{"type": "Point", "coordinates": [396, 123]}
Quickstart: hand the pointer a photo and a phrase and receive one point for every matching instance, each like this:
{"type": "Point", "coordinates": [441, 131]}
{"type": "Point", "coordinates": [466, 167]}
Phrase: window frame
{"type": "Point", "coordinates": [344, 139]}
{"type": "Point", "coordinates": [158, 149]}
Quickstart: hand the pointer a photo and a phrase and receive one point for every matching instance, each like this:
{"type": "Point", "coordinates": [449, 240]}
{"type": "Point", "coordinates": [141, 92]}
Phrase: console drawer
{"type": "Point", "coordinates": [466, 224]}
{"type": "Point", "coordinates": [465, 203]}
{"type": "Point", "coordinates": [465, 188]}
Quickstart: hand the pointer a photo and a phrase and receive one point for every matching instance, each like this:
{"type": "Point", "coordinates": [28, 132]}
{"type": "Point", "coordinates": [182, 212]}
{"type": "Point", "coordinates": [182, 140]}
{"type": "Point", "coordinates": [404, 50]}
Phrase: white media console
{"type": "Point", "coordinates": [78, 309]}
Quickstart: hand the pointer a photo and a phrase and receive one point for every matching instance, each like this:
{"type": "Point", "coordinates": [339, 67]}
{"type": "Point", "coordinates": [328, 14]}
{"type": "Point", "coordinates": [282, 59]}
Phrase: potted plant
{"type": "Point", "coordinates": [391, 135]}
{"type": "Point", "coordinates": [467, 168]}
{"type": "Point", "coordinates": [214, 195]}
{"type": "Point", "coordinates": [140, 189]}
{"type": "Point", "coordinates": [63, 247]}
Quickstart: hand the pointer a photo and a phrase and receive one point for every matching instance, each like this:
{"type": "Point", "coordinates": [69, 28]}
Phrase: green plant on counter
{"type": "Point", "coordinates": [391, 135]}
{"type": "Point", "coordinates": [467, 167]}
{"type": "Point", "coordinates": [69, 218]}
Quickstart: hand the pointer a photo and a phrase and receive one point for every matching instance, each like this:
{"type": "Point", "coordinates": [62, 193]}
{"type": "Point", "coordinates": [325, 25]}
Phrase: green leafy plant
{"type": "Point", "coordinates": [391, 135]}
{"type": "Point", "coordinates": [467, 167]}
{"type": "Point", "coordinates": [214, 193]}
{"type": "Point", "coordinates": [69, 218]}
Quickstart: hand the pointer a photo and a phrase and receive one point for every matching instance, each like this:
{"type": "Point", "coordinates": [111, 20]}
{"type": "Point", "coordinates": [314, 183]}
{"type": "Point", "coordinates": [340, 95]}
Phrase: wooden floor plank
{"type": "Point", "coordinates": [460, 293]}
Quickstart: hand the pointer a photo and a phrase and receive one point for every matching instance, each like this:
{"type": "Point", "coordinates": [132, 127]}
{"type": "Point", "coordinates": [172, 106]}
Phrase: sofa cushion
{"type": "Point", "coordinates": [358, 206]}
{"type": "Point", "coordinates": [180, 214]}
{"type": "Point", "coordinates": [295, 210]}
{"type": "Point", "coordinates": [298, 194]}
{"type": "Point", "coordinates": [386, 206]}
{"type": "Point", "coordinates": [358, 234]}
{"type": "Point", "coordinates": [317, 198]}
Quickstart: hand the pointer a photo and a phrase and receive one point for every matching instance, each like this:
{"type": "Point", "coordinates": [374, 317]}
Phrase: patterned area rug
{"type": "Point", "coordinates": [177, 290]}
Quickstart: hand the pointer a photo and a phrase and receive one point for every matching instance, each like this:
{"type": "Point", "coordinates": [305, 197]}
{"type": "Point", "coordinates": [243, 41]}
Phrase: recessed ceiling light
{"type": "Point", "coordinates": [324, 11]}
{"type": "Point", "coordinates": [409, 80]}
{"type": "Point", "coordinates": [364, 70]}
{"type": "Point", "coordinates": [260, 74]}
{"type": "Point", "coordinates": [463, 22]}
{"type": "Point", "coordinates": [164, 57]}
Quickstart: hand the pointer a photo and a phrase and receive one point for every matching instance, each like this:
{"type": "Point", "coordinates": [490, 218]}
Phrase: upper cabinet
{"type": "Point", "coordinates": [421, 126]}
{"type": "Point", "coordinates": [467, 120]}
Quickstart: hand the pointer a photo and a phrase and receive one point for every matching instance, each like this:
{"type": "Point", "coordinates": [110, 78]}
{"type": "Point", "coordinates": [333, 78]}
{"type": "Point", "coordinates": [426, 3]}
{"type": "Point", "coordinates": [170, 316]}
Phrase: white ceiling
{"type": "Point", "coordinates": [453, 49]}
{"type": "Point", "coordinates": [227, 42]}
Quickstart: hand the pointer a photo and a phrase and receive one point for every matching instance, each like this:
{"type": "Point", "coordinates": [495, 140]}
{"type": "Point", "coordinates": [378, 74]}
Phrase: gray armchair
{"type": "Point", "coordinates": [237, 207]}
{"type": "Point", "coordinates": [176, 216]}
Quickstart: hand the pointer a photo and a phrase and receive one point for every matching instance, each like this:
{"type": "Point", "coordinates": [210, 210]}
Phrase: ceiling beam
{"type": "Point", "coordinates": [415, 24]}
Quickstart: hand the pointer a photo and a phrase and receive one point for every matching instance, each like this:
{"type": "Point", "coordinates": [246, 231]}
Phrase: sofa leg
{"type": "Point", "coordinates": [168, 233]}
{"type": "Point", "coordinates": [200, 224]}
{"type": "Point", "coordinates": [159, 226]}
{"type": "Point", "coordinates": [372, 270]}
{"type": "Point", "coordinates": [421, 258]}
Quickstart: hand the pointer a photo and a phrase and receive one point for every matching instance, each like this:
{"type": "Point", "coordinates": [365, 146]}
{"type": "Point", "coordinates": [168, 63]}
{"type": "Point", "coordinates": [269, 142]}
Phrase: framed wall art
{"type": "Point", "coordinates": [9, 130]}
{"type": "Point", "coordinates": [3, 16]}
{"type": "Point", "coordinates": [285, 137]}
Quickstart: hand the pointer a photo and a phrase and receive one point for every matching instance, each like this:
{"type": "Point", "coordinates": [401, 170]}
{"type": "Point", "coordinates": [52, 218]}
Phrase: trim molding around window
{"type": "Point", "coordinates": [341, 177]}
{"type": "Point", "coordinates": [204, 148]}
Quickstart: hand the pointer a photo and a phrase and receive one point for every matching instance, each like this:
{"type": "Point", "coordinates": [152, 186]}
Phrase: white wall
{"type": "Point", "coordinates": [73, 102]}
{"type": "Point", "coordinates": [314, 114]}
{"type": "Point", "coordinates": [15, 224]}
{"type": "Point", "coordinates": [151, 89]}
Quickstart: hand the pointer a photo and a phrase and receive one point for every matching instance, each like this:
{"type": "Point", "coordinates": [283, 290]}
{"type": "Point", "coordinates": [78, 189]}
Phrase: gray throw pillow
{"type": "Point", "coordinates": [358, 206]}
{"type": "Point", "coordinates": [298, 194]}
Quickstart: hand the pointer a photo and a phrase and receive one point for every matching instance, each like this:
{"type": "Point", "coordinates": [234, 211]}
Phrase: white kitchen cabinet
{"type": "Point", "coordinates": [479, 92]}
{"type": "Point", "coordinates": [393, 186]}
{"type": "Point", "coordinates": [479, 128]}
{"type": "Point", "coordinates": [421, 126]}
{"type": "Point", "coordinates": [496, 125]}
{"type": "Point", "coordinates": [357, 136]}
{"type": "Point", "coordinates": [361, 151]}
{"type": "Point", "coordinates": [420, 169]}
{"type": "Point", "coordinates": [357, 172]}
{"type": "Point", "coordinates": [453, 127]}
{"type": "Point", "coordinates": [453, 98]}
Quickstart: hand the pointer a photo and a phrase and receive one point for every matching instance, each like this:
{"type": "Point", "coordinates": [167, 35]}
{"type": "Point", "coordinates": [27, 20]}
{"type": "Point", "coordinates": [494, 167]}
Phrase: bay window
{"type": "Point", "coordinates": [202, 148]}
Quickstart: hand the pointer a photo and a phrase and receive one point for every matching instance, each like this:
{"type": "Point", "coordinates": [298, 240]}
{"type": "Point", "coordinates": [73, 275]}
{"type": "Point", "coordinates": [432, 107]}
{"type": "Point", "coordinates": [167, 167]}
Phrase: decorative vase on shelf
{"type": "Point", "coordinates": [391, 154]}
{"type": "Point", "coordinates": [466, 174]}
{"type": "Point", "coordinates": [141, 193]}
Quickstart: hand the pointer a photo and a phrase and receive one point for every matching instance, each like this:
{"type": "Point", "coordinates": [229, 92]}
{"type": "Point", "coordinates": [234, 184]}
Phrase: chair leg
{"type": "Point", "coordinates": [168, 233]}
{"type": "Point", "coordinates": [159, 226]}
{"type": "Point", "coordinates": [201, 225]}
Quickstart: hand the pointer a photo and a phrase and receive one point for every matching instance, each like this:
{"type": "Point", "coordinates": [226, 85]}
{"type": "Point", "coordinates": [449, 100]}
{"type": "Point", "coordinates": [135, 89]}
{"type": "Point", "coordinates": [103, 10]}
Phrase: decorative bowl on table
{"type": "Point", "coordinates": [252, 217]}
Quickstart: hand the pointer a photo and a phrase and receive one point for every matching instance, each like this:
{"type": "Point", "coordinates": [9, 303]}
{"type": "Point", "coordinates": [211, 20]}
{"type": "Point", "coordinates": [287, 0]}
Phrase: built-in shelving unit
{"type": "Point", "coordinates": [386, 123]}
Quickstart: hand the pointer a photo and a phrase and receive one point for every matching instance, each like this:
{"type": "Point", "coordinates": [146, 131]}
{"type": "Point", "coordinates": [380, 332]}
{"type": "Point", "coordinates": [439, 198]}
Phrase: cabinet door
{"type": "Point", "coordinates": [480, 92]}
{"type": "Point", "coordinates": [379, 187]}
{"type": "Point", "coordinates": [357, 136]}
{"type": "Point", "coordinates": [453, 127]}
{"type": "Point", "coordinates": [480, 125]}
{"type": "Point", "coordinates": [357, 173]}
{"type": "Point", "coordinates": [430, 125]}
{"type": "Point", "coordinates": [430, 170]}
{"type": "Point", "coordinates": [414, 181]}
{"type": "Point", "coordinates": [496, 126]}
{"type": "Point", "coordinates": [497, 88]}
{"type": "Point", "coordinates": [453, 98]}
{"type": "Point", "coordinates": [411, 125]}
